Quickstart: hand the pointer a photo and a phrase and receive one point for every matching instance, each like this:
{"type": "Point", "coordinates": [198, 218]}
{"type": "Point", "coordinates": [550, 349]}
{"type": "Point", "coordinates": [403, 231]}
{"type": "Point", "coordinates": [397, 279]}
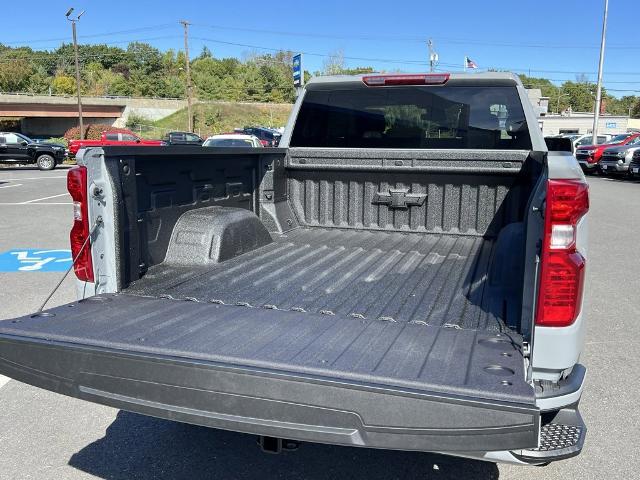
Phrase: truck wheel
{"type": "Point", "coordinates": [45, 162]}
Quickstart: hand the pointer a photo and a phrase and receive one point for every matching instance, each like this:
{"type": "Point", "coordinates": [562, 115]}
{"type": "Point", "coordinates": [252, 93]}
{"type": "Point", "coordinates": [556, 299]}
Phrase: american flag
{"type": "Point", "coordinates": [469, 63]}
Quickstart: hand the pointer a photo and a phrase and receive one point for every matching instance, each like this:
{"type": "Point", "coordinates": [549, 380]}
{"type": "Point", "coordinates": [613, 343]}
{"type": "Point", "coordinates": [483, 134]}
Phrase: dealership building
{"type": "Point", "coordinates": [574, 122]}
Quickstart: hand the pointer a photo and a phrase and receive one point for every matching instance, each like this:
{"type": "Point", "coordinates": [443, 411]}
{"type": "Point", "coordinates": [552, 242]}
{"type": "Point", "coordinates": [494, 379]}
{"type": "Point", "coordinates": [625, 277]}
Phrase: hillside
{"type": "Point", "coordinates": [219, 117]}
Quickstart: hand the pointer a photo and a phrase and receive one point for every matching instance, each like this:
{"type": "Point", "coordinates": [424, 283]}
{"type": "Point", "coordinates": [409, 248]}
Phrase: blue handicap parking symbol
{"type": "Point", "coordinates": [35, 260]}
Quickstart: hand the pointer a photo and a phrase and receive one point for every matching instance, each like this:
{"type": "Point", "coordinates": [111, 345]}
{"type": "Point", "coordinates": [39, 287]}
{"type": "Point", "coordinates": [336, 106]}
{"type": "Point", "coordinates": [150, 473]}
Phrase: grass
{"type": "Point", "coordinates": [214, 118]}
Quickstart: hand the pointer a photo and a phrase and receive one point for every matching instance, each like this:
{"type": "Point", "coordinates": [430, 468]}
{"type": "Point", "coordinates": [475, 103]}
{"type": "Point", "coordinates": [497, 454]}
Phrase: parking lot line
{"type": "Point", "coordinates": [36, 204]}
{"type": "Point", "coordinates": [11, 186]}
{"type": "Point", "coordinates": [44, 198]}
{"type": "Point", "coordinates": [28, 178]}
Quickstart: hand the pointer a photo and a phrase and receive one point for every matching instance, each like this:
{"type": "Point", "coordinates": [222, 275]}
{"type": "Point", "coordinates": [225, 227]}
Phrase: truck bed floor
{"type": "Point", "coordinates": [398, 277]}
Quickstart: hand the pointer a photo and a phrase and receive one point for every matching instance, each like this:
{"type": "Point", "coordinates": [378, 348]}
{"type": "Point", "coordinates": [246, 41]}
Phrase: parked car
{"type": "Point", "coordinates": [20, 149]}
{"type": "Point", "coordinates": [268, 136]}
{"type": "Point", "coordinates": [616, 160]}
{"type": "Point", "coordinates": [586, 140]}
{"type": "Point", "coordinates": [588, 156]}
{"type": "Point", "coordinates": [365, 284]}
{"type": "Point", "coordinates": [112, 138]}
{"type": "Point", "coordinates": [634, 166]}
{"type": "Point", "coordinates": [182, 138]}
{"type": "Point", "coordinates": [232, 140]}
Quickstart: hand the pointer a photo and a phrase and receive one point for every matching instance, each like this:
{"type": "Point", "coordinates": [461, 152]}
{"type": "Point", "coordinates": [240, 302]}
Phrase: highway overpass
{"type": "Point", "coordinates": [52, 115]}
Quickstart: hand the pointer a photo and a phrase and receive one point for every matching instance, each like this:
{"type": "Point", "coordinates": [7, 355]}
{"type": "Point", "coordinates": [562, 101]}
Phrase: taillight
{"type": "Point", "coordinates": [562, 266]}
{"type": "Point", "coordinates": [406, 79]}
{"type": "Point", "coordinates": [77, 186]}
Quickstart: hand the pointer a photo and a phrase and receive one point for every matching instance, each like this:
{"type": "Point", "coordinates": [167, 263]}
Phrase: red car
{"type": "Point", "coordinates": [588, 156]}
{"type": "Point", "coordinates": [112, 138]}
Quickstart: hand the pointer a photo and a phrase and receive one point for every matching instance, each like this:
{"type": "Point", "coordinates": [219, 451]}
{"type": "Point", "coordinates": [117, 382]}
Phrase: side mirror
{"type": "Point", "coordinates": [24, 143]}
{"type": "Point", "coordinates": [138, 140]}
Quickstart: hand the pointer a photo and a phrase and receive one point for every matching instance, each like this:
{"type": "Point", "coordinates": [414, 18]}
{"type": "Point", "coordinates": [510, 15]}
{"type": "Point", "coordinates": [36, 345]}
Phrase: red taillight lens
{"type": "Point", "coordinates": [562, 266]}
{"type": "Point", "coordinates": [407, 79]}
{"type": "Point", "coordinates": [77, 186]}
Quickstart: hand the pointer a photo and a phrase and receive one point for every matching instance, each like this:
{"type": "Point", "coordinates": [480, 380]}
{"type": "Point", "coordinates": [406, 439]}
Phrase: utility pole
{"type": "Point", "coordinates": [185, 24]}
{"type": "Point", "coordinates": [433, 56]}
{"type": "Point", "coordinates": [75, 49]}
{"type": "Point", "coordinates": [596, 109]}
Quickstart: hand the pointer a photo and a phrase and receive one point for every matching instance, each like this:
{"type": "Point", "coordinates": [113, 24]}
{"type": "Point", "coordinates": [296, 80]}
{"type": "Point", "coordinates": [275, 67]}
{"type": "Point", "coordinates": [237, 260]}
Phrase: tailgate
{"type": "Point", "coordinates": [286, 374]}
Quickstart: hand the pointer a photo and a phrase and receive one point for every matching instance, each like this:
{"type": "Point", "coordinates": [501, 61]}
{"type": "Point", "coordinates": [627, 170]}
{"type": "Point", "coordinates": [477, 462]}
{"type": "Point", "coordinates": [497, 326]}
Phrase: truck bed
{"type": "Point", "coordinates": [370, 338]}
{"type": "Point", "coordinates": [438, 280]}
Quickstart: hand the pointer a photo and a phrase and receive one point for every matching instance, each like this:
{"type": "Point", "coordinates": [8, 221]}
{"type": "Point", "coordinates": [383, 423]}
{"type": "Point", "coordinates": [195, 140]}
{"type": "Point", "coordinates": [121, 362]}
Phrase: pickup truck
{"type": "Point", "coordinates": [405, 271]}
{"type": "Point", "coordinates": [616, 160]}
{"type": "Point", "coordinates": [589, 156]}
{"type": "Point", "coordinates": [111, 138]}
{"type": "Point", "coordinates": [16, 148]}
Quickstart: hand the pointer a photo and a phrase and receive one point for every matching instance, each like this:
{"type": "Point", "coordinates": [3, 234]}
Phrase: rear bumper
{"type": "Point", "coordinates": [271, 403]}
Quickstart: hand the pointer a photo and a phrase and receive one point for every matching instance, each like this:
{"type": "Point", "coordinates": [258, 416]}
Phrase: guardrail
{"type": "Point", "coordinates": [124, 97]}
{"type": "Point", "coordinates": [64, 95]}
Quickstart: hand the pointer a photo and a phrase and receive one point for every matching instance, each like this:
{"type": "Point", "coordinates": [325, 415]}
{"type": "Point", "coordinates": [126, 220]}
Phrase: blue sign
{"type": "Point", "coordinates": [612, 125]}
{"type": "Point", "coordinates": [298, 75]}
{"type": "Point", "coordinates": [35, 260]}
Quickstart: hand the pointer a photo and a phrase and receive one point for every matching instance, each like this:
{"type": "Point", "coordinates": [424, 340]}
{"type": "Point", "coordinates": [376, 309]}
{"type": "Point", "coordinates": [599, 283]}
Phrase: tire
{"type": "Point", "coordinates": [46, 162]}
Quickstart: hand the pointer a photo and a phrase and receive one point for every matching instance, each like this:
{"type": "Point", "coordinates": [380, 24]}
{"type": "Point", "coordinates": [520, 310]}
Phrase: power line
{"type": "Point", "coordinates": [408, 39]}
{"type": "Point", "coordinates": [313, 54]}
{"type": "Point", "coordinates": [94, 35]}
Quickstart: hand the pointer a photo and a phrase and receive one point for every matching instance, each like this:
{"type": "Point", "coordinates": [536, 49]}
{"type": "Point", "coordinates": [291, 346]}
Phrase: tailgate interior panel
{"type": "Point", "coordinates": [282, 373]}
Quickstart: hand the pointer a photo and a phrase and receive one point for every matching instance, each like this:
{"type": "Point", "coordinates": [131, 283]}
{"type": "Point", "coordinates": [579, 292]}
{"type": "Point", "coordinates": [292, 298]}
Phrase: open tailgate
{"type": "Point", "coordinates": [285, 374]}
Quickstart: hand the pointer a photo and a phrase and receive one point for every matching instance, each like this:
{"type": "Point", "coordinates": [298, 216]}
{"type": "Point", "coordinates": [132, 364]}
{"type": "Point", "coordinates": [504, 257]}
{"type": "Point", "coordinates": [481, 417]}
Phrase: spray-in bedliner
{"type": "Point", "coordinates": [398, 277]}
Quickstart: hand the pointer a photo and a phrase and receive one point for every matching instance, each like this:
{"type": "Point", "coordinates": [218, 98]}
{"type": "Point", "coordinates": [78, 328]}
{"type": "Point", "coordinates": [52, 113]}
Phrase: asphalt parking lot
{"type": "Point", "coordinates": [44, 435]}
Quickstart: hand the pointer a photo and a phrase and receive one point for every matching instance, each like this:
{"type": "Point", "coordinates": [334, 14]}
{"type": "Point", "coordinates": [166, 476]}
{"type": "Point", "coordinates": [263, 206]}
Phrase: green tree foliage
{"type": "Point", "coordinates": [142, 70]}
{"type": "Point", "coordinates": [579, 95]}
{"type": "Point", "coordinates": [63, 84]}
{"type": "Point", "coordinates": [15, 72]}
{"type": "Point", "coordinates": [635, 110]}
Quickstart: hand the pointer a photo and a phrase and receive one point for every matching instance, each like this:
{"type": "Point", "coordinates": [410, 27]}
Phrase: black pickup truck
{"type": "Point", "coordinates": [20, 149]}
{"type": "Point", "coordinates": [405, 272]}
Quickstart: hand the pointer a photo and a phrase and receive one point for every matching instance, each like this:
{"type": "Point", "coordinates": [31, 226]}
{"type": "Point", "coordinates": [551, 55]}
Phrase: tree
{"type": "Point", "coordinates": [334, 63]}
{"type": "Point", "coordinates": [14, 74]}
{"type": "Point", "coordinates": [205, 53]}
{"type": "Point", "coordinates": [144, 58]}
{"type": "Point", "coordinates": [581, 96]}
{"type": "Point", "coordinates": [63, 84]}
{"type": "Point", "coordinates": [39, 81]}
{"type": "Point", "coordinates": [635, 110]}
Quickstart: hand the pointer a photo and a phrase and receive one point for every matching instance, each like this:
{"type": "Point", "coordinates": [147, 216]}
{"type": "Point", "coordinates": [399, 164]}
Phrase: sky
{"type": "Point", "coordinates": [557, 39]}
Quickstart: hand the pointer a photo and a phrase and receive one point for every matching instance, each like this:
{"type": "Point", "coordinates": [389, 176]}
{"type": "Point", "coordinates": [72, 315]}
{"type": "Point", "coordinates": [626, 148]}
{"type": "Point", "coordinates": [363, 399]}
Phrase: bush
{"type": "Point", "coordinates": [57, 140]}
{"type": "Point", "coordinates": [93, 131]}
{"type": "Point", "coordinates": [135, 120]}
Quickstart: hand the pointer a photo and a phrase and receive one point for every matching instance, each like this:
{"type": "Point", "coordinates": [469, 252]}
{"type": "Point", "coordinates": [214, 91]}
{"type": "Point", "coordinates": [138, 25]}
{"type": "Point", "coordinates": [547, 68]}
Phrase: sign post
{"type": "Point", "coordinates": [298, 72]}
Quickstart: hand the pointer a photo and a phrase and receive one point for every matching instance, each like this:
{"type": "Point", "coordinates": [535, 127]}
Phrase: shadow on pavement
{"type": "Point", "coordinates": [140, 447]}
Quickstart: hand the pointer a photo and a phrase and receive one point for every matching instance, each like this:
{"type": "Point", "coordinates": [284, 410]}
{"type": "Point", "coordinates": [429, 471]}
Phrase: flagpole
{"type": "Point", "coordinates": [464, 64]}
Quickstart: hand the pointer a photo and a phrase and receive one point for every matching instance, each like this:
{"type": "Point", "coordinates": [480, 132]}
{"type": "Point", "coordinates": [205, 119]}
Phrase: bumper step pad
{"type": "Point", "coordinates": [561, 437]}
{"type": "Point", "coordinates": [556, 436]}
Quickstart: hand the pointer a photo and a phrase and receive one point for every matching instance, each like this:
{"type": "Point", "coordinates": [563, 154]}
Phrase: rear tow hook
{"type": "Point", "coordinates": [277, 445]}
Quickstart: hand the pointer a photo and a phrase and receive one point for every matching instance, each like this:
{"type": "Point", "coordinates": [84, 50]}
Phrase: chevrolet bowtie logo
{"type": "Point", "coordinates": [399, 198]}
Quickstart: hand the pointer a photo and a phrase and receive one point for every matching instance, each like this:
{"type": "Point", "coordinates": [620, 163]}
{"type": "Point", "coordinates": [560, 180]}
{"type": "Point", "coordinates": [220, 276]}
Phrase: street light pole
{"type": "Point", "coordinates": [596, 110]}
{"type": "Point", "coordinates": [185, 24]}
{"type": "Point", "coordinates": [75, 49]}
